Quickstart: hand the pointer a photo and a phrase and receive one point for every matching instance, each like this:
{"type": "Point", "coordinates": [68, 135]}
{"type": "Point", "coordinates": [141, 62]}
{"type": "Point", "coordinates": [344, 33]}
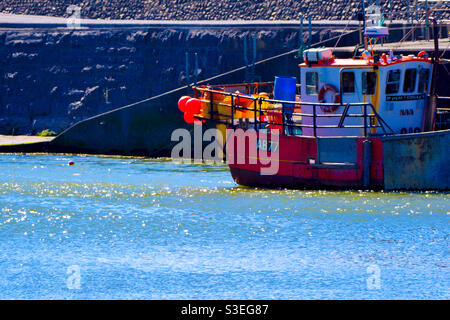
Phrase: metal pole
{"type": "Point", "coordinates": [196, 69]}
{"type": "Point", "coordinates": [407, 13]}
{"type": "Point", "coordinates": [314, 121]}
{"type": "Point", "coordinates": [426, 22]}
{"type": "Point", "coordinates": [254, 58]}
{"type": "Point", "coordinates": [367, 162]}
{"type": "Point", "coordinates": [413, 36]}
{"type": "Point", "coordinates": [364, 14]}
{"type": "Point", "coordinates": [309, 31]}
{"type": "Point", "coordinates": [211, 108]}
{"type": "Point", "coordinates": [365, 120]}
{"type": "Point", "coordinates": [245, 58]}
{"type": "Point", "coordinates": [301, 31]}
{"type": "Point", "coordinates": [187, 69]}
{"type": "Point", "coordinates": [390, 10]}
{"type": "Point", "coordinates": [360, 32]}
{"type": "Point", "coordinates": [232, 111]}
{"type": "Point", "coordinates": [415, 10]}
{"type": "Point", "coordinates": [256, 115]}
{"type": "Point", "coordinates": [436, 43]}
{"type": "Point", "coordinates": [260, 112]}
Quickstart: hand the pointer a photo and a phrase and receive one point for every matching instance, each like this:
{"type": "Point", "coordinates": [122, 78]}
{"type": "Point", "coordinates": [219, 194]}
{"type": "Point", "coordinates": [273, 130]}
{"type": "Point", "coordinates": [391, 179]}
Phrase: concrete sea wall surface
{"type": "Point", "coordinates": [51, 79]}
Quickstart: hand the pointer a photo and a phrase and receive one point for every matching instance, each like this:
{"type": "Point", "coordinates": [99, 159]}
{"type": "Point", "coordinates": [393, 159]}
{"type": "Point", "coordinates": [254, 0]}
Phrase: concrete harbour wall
{"type": "Point", "coordinates": [53, 78]}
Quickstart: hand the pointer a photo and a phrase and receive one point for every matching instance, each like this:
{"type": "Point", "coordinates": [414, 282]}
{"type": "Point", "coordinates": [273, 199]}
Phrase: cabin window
{"type": "Point", "coordinates": [312, 83]}
{"type": "Point", "coordinates": [409, 84]}
{"type": "Point", "coordinates": [348, 82]}
{"type": "Point", "coordinates": [424, 76]}
{"type": "Point", "coordinates": [369, 82]}
{"type": "Point", "coordinates": [393, 81]}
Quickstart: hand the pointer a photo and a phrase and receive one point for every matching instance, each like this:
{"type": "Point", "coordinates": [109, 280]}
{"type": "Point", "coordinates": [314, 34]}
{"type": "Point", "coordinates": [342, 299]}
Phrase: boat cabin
{"type": "Point", "coordinates": [396, 87]}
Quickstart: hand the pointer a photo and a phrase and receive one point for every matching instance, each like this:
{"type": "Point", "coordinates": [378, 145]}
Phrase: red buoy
{"type": "Point", "coordinates": [423, 54]}
{"type": "Point", "coordinates": [193, 106]}
{"type": "Point", "coordinates": [182, 103]}
{"type": "Point", "coordinates": [189, 117]}
{"type": "Point", "coordinates": [71, 163]}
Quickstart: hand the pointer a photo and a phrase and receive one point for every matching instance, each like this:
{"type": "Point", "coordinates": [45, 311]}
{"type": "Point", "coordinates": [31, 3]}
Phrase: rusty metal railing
{"type": "Point", "coordinates": [442, 119]}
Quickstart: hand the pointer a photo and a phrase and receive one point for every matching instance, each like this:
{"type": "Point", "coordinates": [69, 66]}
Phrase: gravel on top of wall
{"type": "Point", "coordinates": [206, 9]}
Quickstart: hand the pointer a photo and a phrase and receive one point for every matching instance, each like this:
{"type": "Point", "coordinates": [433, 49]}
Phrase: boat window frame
{"type": "Point", "coordinates": [364, 87]}
{"type": "Point", "coordinates": [309, 86]}
{"type": "Point", "coordinates": [421, 81]}
{"type": "Point", "coordinates": [344, 83]}
{"type": "Point", "coordinates": [406, 78]}
{"type": "Point", "coordinates": [398, 82]}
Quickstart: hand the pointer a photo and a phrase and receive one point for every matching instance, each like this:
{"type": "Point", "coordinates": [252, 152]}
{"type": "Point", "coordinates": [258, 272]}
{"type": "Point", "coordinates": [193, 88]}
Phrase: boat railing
{"type": "Point", "coordinates": [262, 112]}
{"type": "Point", "coordinates": [442, 120]}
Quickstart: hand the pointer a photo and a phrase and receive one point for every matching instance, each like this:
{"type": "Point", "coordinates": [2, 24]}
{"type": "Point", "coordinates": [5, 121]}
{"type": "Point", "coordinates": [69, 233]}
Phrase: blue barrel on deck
{"type": "Point", "coordinates": [284, 89]}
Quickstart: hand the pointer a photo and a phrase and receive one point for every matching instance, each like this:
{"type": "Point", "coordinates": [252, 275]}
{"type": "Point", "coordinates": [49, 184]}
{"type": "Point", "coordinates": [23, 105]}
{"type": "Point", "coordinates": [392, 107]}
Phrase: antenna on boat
{"type": "Point", "coordinates": [364, 14]}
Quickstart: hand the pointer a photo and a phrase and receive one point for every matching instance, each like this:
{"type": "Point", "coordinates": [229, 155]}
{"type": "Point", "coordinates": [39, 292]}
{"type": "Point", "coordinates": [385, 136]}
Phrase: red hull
{"type": "Point", "coordinates": [308, 162]}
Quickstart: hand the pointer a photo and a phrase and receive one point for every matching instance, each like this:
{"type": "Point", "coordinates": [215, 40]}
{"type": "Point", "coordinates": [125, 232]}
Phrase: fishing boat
{"type": "Point", "coordinates": [365, 122]}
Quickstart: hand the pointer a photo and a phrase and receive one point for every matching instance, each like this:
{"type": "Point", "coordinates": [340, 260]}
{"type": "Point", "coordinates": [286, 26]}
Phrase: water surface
{"type": "Point", "coordinates": [132, 228]}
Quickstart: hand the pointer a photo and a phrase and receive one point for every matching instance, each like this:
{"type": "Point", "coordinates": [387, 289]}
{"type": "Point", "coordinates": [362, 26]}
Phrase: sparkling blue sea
{"type": "Point", "coordinates": [133, 228]}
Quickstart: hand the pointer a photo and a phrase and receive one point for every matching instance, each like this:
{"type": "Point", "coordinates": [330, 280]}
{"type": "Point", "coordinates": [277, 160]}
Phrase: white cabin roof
{"type": "Point", "coordinates": [363, 63]}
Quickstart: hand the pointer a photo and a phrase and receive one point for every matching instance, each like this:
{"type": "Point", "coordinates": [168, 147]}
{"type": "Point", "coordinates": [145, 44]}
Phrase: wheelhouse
{"type": "Point", "coordinates": [397, 89]}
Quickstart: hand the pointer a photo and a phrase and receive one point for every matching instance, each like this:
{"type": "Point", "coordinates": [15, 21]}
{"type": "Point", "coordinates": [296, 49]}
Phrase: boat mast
{"type": "Point", "coordinates": [432, 96]}
{"type": "Point", "coordinates": [364, 22]}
